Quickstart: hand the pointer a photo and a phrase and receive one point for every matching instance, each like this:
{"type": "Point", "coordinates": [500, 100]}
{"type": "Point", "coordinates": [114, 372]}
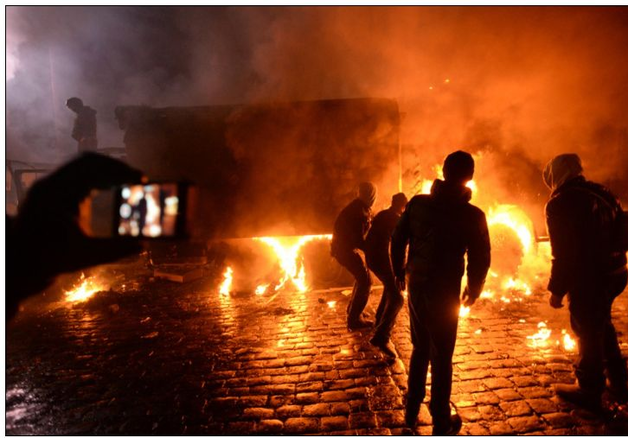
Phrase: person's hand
{"type": "Point", "coordinates": [401, 283]}
{"type": "Point", "coordinates": [467, 299]}
{"type": "Point", "coordinates": [556, 301]}
{"type": "Point", "coordinates": [45, 238]}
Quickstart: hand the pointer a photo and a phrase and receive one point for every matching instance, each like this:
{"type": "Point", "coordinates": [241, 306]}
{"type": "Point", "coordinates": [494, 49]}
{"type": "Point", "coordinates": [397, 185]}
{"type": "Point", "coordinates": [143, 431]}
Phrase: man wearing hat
{"type": "Point", "coordinates": [350, 229]}
{"type": "Point", "coordinates": [440, 229]}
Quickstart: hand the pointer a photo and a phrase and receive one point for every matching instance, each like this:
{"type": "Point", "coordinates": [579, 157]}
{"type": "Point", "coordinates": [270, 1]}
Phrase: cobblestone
{"type": "Point", "coordinates": [181, 359]}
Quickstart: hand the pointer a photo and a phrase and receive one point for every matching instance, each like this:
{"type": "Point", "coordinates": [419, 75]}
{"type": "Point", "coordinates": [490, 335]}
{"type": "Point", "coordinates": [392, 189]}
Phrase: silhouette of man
{"type": "Point", "coordinates": [350, 229]}
{"type": "Point", "coordinates": [84, 131]}
{"type": "Point", "coordinates": [440, 228]}
{"type": "Point", "coordinates": [378, 260]}
{"type": "Point", "coordinates": [589, 265]}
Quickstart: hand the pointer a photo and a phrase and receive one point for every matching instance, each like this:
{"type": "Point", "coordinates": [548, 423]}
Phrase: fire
{"type": "Point", "coordinates": [288, 251]}
{"type": "Point", "coordinates": [516, 219]}
{"type": "Point", "coordinates": [568, 343]}
{"type": "Point", "coordinates": [225, 286]}
{"type": "Point", "coordinates": [464, 311]}
{"type": "Point", "coordinates": [539, 339]}
{"type": "Point", "coordinates": [261, 289]}
{"type": "Point", "coordinates": [84, 291]}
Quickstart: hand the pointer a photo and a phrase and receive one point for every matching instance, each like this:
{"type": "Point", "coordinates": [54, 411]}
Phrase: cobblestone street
{"type": "Point", "coordinates": [156, 357]}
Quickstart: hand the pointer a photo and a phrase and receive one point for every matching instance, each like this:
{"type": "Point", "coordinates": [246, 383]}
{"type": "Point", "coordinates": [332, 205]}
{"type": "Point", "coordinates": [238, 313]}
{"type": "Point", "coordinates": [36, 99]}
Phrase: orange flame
{"type": "Point", "coordinates": [225, 286]}
{"type": "Point", "coordinates": [84, 291]}
{"type": "Point", "coordinates": [287, 250]}
{"type": "Point", "coordinates": [568, 343]}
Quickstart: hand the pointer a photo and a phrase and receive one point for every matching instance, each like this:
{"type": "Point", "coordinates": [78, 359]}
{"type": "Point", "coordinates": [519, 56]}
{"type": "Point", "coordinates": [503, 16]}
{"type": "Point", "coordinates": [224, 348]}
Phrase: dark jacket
{"type": "Point", "coordinates": [581, 216]}
{"type": "Point", "coordinates": [351, 227]}
{"type": "Point", "coordinates": [440, 228]}
{"type": "Point", "coordinates": [377, 242]}
{"type": "Point", "coordinates": [84, 124]}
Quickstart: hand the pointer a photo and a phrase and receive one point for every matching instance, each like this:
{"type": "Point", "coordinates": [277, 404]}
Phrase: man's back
{"type": "Point", "coordinates": [350, 227]}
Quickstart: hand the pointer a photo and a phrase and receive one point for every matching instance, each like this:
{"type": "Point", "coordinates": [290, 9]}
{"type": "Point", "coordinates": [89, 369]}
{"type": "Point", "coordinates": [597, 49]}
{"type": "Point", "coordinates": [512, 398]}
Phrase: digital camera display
{"type": "Point", "coordinates": [148, 210]}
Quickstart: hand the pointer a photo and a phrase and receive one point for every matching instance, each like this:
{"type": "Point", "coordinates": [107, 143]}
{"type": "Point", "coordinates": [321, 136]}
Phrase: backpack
{"type": "Point", "coordinates": [615, 215]}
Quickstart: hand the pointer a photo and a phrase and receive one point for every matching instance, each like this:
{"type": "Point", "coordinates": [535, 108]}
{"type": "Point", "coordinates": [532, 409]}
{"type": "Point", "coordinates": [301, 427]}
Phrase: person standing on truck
{"type": "Point", "coordinates": [378, 260]}
{"type": "Point", "coordinates": [584, 221]}
{"type": "Point", "coordinates": [84, 131]}
{"type": "Point", "coordinates": [350, 229]}
{"type": "Point", "coordinates": [440, 228]}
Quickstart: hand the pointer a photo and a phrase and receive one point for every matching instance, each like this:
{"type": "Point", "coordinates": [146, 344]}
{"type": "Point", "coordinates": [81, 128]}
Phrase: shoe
{"type": "Point", "coordinates": [451, 428]}
{"type": "Point", "coordinates": [361, 323]}
{"type": "Point", "coordinates": [619, 392]}
{"type": "Point", "coordinates": [412, 412]}
{"type": "Point", "coordinates": [576, 395]}
{"type": "Point", "coordinates": [387, 348]}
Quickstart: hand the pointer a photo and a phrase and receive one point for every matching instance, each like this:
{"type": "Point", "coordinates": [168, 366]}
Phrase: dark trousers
{"type": "Point", "coordinates": [590, 314]}
{"type": "Point", "coordinates": [392, 301]}
{"type": "Point", "coordinates": [434, 308]}
{"type": "Point", "coordinates": [362, 286]}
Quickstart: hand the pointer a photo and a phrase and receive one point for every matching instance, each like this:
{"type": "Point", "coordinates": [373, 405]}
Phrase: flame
{"type": "Point", "coordinates": [288, 250]}
{"type": "Point", "coordinates": [331, 304]}
{"type": "Point", "coordinates": [261, 289]}
{"type": "Point", "coordinates": [539, 339]}
{"type": "Point", "coordinates": [514, 218]}
{"type": "Point", "coordinates": [568, 343]}
{"type": "Point", "coordinates": [84, 291]}
{"type": "Point", "coordinates": [464, 311]}
{"type": "Point", "coordinates": [225, 286]}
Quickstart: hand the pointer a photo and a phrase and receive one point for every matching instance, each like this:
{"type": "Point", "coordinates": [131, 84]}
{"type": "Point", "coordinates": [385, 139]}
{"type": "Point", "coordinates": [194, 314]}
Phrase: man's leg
{"type": "Point", "coordinates": [443, 326]}
{"type": "Point", "coordinates": [615, 364]}
{"type": "Point", "coordinates": [361, 289]}
{"type": "Point", "coordinates": [391, 304]}
{"type": "Point", "coordinates": [420, 358]}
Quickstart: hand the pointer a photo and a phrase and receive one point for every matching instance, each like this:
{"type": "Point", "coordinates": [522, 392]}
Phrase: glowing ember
{"type": "Point", "coordinates": [331, 304]}
{"type": "Point", "coordinates": [287, 250]}
{"type": "Point", "coordinates": [568, 343]}
{"type": "Point", "coordinates": [464, 311]}
{"type": "Point", "coordinates": [84, 291]}
{"type": "Point", "coordinates": [261, 289]}
{"type": "Point", "coordinates": [225, 286]}
{"type": "Point", "coordinates": [539, 339]}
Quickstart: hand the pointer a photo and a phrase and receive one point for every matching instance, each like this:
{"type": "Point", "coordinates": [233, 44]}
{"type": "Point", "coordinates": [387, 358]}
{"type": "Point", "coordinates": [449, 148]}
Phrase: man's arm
{"type": "Point", "coordinates": [564, 241]}
{"type": "Point", "coordinates": [478, 257]}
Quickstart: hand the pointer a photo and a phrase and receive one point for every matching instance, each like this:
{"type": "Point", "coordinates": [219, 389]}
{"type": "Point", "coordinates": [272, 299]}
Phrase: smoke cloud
{"type": "Point", "coordinates": [519, 84]}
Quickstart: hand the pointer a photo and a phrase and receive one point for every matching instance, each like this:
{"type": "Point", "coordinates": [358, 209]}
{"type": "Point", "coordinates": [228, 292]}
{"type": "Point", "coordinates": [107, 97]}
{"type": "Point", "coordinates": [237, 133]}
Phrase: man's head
{"type": "Point", "coordinates": [367, 192]}
{"type": "Point", "coordinates": [398, 203]}
{"type": "Point", "coordinates": [74, 103]}
{"type": "Point", "coordinates": [459, 167]}
{"type": "Point", "coordinates": [561, 169]}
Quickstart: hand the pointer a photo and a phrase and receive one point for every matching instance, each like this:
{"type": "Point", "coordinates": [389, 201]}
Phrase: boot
{"type": "Point", "coordinates": [386, 347]}
{"type": "Point", "coordinates": [576, 395]}
{"type": "Point", "coordinates": [451, 427]}
{"type": "Point", "coordinates": [412, 412]}
{"type": "Point", "coordinates": [359, 323]}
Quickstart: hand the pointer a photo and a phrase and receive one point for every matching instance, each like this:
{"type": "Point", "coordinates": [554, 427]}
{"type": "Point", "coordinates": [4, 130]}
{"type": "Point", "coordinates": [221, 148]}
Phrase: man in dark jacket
{"type": "Point", "coordinates": [350, 228]}
{"type": "Point", "coordinates": [378, 260]}
{"type": "Point", "coordinates": [590, 267]}
{"type": "Point", "coordinates": [84, 131]}
{"type": "Point", "coordinates": [440, 228]}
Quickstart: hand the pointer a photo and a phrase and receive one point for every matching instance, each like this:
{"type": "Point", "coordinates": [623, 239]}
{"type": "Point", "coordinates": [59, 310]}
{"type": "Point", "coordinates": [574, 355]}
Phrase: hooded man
{"type": "Point", "coordinates": [440, 228]}
{"type": "Point", "coordinates": [378, 260]}
{"type": "Point", "coordinates": [350, 229]}
{"type": "Point", "coordinates": [84, 131]}
{"type": "Point", "coordinates": [589, 266]}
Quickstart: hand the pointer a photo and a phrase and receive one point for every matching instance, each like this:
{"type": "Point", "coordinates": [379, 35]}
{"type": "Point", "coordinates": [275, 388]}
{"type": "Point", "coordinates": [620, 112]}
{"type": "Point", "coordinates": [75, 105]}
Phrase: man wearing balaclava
{"type": "Point", "coordinates": [589, 266]}
{"type": "Point", "coordinates": [350, 229]}
{"type": "Point", "coordinates": [440, 229]}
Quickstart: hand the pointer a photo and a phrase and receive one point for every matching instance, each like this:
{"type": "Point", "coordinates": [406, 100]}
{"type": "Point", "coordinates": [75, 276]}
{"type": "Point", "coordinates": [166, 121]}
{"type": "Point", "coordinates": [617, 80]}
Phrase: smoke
{"type": "Point", "coordinates": [523, 83]}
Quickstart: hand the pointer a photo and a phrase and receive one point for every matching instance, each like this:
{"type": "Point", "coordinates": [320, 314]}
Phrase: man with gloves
{"type": "Point", "coordinates": [350, 230]}
{"type": "Point", "coordinates": [440, 228]}
{"type": "Point", "coordinates": [589, 265]}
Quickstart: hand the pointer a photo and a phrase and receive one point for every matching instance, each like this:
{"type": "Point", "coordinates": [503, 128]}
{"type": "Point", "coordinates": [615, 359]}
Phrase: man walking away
{"type": "Point", "coordinates": [440, 228]}
{"type": "Point", "coordinates": [584, 221]}
{"type": "Point", "coordinates": [378, 260]}
{"type": "Point", "coordinates": [350, 228]}
{"type": "Point", "coordinates": [84, 131]}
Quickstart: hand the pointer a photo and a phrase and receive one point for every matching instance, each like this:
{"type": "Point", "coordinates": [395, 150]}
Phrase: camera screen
{"type": "Point", "coordinates": [148, 210]}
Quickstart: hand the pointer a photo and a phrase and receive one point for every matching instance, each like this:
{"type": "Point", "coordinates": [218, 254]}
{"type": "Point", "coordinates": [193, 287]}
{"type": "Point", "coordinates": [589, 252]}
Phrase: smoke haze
{"type": "Point", "coordinates": [525, 83]}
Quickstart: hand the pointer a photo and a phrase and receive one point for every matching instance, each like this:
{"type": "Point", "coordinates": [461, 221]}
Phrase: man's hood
{"type": "Point", "coordinates": [450, 191]}
{"type": "Point", "coordinates": [561, 169]}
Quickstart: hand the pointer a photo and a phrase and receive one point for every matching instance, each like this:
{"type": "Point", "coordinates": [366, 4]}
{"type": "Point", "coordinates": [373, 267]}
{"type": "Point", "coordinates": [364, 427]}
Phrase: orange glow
{"type": "Point", "coordinates": [516, 219]}
{"type": "Point", "coordinates": [288, 252]}
{"type": "Point", "coordinates": [539, 339]}
{"type": "Point", "coordinates": [225, 286]}
{"type": "Point", "coordinates": [84, 291]}
{"type": "Point", "coordinates": [464, 311]}
{"type": "Point", "coordinates": [568, 343]}
{"type": "Point", "coordinates": [261, 289]}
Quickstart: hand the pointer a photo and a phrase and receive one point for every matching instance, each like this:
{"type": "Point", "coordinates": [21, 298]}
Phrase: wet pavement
{"type": "Point", "coordinates": [156, 357]}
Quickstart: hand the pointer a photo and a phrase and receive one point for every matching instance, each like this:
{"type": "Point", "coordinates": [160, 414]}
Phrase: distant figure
{"type": "Point", "coordinates": [350, 229]}
{"type": "Point", "coordinates": [589, 264]}
{"type": "Point", "coordinates": [378, 260]}
{"type": "Point", "coordinates": [440, 228]}
{"type": "Point", "coordinates": [84, 131]}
